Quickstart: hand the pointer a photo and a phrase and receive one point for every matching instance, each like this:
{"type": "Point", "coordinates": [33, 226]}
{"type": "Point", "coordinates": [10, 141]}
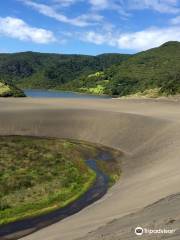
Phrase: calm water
{"type": "Point", "coordinates": [57, 94]}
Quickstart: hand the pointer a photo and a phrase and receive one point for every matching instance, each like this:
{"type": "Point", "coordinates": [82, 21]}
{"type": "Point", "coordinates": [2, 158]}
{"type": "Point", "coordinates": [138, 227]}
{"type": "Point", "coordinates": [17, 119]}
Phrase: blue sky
{"type": "Point", "coordinates": [87, 26]}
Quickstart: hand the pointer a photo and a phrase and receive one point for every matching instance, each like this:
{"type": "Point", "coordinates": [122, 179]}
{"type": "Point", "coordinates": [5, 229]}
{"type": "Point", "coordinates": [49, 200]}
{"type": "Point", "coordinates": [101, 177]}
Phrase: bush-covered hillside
{"type": "Point", "coordinates": [9, 90]}
{"type": "Point", "coordinates": [152, 69]}
{"type": "Point", "coordinates": [153, 72]}
{"type": "Point", "coordinates": [41, 70]}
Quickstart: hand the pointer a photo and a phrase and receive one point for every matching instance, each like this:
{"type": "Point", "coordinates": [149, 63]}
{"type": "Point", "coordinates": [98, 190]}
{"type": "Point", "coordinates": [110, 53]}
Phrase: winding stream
{"type": "Point", "coordinates": [99, 188]}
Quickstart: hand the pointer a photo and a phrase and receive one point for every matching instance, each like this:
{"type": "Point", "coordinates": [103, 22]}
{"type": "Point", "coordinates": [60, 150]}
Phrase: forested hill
{"type": "Point", "coordinates": [153, 72]}
{"type": "Point", "coordinates": [43, 70]}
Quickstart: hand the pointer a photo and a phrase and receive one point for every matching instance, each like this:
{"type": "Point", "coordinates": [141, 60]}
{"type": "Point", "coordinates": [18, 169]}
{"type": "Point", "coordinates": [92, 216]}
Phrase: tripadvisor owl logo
{"type": "Point", "coordinates": [139, 231]}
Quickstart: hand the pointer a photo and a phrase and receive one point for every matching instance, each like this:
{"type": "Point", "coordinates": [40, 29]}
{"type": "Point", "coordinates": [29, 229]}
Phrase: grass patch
{"type": "Point", "coordinates": [39, 175]}
{"type": "Point", "coordinates": [149, 93]}
{"type": "Point", "coordinates": [4, 89]}
{"type": "Point", "coordinates": [7, 90]}
{"type": "Point", "coordinates": [98, 90]}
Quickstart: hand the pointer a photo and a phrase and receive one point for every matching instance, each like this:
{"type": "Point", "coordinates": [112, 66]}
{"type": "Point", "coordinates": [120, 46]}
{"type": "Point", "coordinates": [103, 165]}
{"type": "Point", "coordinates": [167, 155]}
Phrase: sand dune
{"type": "Point", "coordinates": [147, 131]}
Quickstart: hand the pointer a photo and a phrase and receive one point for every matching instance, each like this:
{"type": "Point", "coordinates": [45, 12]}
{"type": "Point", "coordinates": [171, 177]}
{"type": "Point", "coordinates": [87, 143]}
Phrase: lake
{"type": "Point", "coordinates": [38, 93]}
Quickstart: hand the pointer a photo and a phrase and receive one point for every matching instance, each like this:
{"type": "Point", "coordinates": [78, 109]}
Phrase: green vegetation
{"type": "Point", "coordinates": [150, 73]}
{"type": "Point", "coordinates": [97, 90]}
{"type": "Point", "coordinates": [149, 93]}
{"type": "Point", "coordinates": [157, 68]}
{"type": "Point", "coordinates": [141, 74]}
{"type": "Point", "coordinates": [92, 83]}
{"type": "Point", "coordinates": [39, 175]}
{"type": "Point", "coordinates": [51, 71]}
{"type": "Point", "coordinates": [8, 90]}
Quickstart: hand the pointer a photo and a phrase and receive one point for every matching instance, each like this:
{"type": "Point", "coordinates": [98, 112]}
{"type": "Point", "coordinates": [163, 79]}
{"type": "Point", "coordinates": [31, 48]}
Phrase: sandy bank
{"type": "Point", "coordinates": [147, 131]}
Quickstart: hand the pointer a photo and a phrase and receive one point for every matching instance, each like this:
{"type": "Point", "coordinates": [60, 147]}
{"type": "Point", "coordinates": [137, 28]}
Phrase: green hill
{"type": "Point", "coordinates": [153, 72]}
{"type": "Point", "coordinates": [152, 69]}
{"type": "Point", "coordinates": [42, 70]}
{"type": "Point", "coordinates": [9, 90]}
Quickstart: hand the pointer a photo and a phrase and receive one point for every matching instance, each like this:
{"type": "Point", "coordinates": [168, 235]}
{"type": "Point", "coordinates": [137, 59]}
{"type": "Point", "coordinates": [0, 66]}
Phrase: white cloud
{"type": "Point", "coordinates": [99, 4]}
{"type": "Point", "coordinates": [148, 38]}
{"type": "Point", "coordinates": [123, 6]}
{"type": "Point", "coordinates": [175, 20]}
{"type": "Point", "coordinates": [93, 37]}
{"type": "Point", "coordinates": [17, 28]}
{"type": "Point", "coordinates": [65, 3]}
{"type": "Point", "coordinates": [163, 6]}
{"type": "Point", "coordinates": [115, 5]}
{"type": "Point", "coordinates": [137, 41]}
{"type": "Point", "coordinates": [80, 21]}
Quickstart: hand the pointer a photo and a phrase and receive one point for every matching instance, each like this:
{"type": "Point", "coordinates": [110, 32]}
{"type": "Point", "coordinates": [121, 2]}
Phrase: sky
{"type": "Point", "coordinates": [87, 26]}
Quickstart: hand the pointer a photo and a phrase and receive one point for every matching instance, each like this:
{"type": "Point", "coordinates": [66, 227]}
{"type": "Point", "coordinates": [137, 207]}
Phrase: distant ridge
{"type": "Point", "coordinates": [46, 70]}
{"type": "Point", "coordinates": [151, 73]}
{"type": "Point", "coordinates": [170, 43]}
